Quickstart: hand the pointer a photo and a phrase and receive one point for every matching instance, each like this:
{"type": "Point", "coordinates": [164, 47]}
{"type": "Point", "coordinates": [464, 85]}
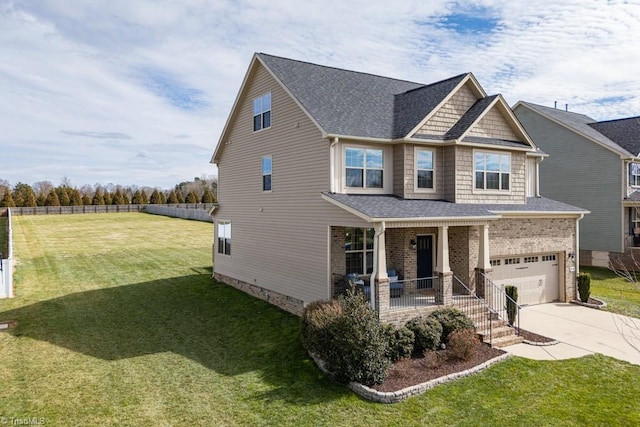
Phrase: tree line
{"type": "Point", "coordinates": [44, 193]}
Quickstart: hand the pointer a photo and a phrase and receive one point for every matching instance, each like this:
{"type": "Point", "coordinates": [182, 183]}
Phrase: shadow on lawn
{"type": "Point", "coordinates": [219, 327]}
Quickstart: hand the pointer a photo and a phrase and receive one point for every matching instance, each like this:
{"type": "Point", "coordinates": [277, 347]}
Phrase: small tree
{"type": "Point", "coordinates": [7, 200]}
{"type": "Point", "coordinates": [192, 197]}
{"type": "Point", "coordinates": [512, 303]}
{"type": "Point", "coordinates": [52, 199]}
{"type": "Point", "coordinates": [584, 286]}
{"type": "Point", "coordinates": [207, 196]}
{"type": "Point", "coordinates": [172, 197]}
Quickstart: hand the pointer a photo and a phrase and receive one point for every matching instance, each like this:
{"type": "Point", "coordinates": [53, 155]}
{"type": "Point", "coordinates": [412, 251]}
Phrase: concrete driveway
{"type": "Point", "coordinates": [581, 331]}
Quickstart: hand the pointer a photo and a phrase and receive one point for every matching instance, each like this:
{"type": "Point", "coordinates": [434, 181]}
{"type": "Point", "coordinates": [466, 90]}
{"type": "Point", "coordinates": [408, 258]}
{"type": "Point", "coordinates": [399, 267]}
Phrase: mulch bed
{"type": "Point", "coordinates": [408, 372]}
{"type": "Point", "coordinates": [530, 336]}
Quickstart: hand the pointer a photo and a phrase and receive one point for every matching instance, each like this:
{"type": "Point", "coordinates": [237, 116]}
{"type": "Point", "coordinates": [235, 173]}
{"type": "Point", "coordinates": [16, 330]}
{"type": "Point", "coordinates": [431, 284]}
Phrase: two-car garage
{"type": "Point", "coordinates": [536, 276]}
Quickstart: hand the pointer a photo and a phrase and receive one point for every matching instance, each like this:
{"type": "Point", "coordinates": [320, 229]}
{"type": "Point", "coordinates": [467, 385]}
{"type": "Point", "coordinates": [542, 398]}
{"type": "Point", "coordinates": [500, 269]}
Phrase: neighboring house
{"type": "Point", "coordinates": [325, 172]}
{"type": "Point", "coordinates": [594, 165]}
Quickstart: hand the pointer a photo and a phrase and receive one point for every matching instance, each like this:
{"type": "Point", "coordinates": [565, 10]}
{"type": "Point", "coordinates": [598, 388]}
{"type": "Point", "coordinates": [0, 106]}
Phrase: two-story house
{"type": "Point", "coordinates": [596, 165]}
{"type": "Point", "coordinates": [325, 172]}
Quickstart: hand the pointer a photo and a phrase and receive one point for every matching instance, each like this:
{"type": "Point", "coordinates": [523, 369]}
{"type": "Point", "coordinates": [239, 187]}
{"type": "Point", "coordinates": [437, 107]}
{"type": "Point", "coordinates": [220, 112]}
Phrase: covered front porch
{"type": "Point", "coordinates": [409, 268]}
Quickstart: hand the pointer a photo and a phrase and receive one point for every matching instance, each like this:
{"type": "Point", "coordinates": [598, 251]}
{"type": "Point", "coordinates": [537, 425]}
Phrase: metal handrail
{"type": "Point", "coordinates": [471, 305]}
{"type": "Point", "coordinates": [500, 300]}
{"type": "Point", "coordinates": [414, 293]}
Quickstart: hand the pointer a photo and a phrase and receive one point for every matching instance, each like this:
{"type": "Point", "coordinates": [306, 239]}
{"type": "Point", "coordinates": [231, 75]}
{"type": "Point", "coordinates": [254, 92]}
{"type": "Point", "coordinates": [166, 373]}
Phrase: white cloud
{"type": "Point", "coordinates": [77, 76]}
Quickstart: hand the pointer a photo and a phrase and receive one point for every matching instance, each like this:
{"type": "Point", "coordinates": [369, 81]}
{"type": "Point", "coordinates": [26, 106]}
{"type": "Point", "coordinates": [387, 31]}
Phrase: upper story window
{"type": "Point", "coordinates": [364, 167]}
{"type": "Point", "coordinates": [262, 112]}
{"type": "Point", "coordinates": [492, 171]}
{"type": "Point", "coordinates": [424, 169]}
{"type": "Point", "coordinates": [224, 237]}
{"type": "Point", "coordinates": [267, 168]}
{"type": "Point", "coordinates": [634, 174]}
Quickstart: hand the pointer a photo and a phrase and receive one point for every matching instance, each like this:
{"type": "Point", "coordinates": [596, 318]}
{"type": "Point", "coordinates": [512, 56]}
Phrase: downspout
{"type": "Point", "coordinates": [374, 272]}
{"type": "Point", "coordinates": [577, 252]}
{"type": "Point", "coordinates": [538, 161]}
{"type": "Point", "coordinates": [332, 165]}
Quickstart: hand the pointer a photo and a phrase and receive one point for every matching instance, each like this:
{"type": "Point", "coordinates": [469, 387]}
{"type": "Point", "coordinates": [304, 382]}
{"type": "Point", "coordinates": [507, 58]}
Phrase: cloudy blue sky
{"type": "Point", "coordinates": [137, 92]}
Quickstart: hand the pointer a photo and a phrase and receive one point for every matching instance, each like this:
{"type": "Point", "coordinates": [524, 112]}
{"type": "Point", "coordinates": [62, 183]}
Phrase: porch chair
{"type": "Point", "coordinates": [396, 288]}
{"type": "Point", "coordinates": [355, 280]}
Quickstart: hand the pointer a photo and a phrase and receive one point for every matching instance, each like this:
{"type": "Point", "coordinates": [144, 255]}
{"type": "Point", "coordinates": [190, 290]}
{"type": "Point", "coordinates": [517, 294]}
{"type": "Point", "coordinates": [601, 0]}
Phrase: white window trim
{"type": "Point", "coordinates": [629, 175]}
{"type": "Point", "coordinates": [364, 251]}
{"type": "Point", "coordinates": [387, 172]}
{"type": "Point", "coordinates": [262, 111]}
{"type": "Point", "coordinates": [491, 191]}
{"type": "Point", "coordinates": [223, 222]}
{"type": "Point", "coordinates": [416, 189]}
{"type": "Point", "coordinates": [262, 174]}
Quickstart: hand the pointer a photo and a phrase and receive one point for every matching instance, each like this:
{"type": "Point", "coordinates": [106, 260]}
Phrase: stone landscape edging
{"type": "Point", "coordinates": [400, 395]}
{"type": "Point", "coordinates": [586, 304]}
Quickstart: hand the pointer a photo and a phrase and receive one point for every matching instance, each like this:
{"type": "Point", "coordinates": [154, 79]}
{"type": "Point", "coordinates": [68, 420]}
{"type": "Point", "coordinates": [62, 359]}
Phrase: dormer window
{"type": "Point", "coordinates": [492, 171]}
{"type": "Point", "coordinates": [634, 174]}
{"type": "Point", "coordinates": [262, 112]}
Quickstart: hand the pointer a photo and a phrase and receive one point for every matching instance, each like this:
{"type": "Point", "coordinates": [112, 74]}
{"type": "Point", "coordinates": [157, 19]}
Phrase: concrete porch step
{"type": "Point", "coordinates": [507, 341]}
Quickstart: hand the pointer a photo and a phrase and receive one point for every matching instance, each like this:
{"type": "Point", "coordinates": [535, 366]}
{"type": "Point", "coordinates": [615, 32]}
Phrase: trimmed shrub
{"type": "Point", "coordinates": [584, 286]}
{"type": "Point", "coordinates": [349, 340]}
{"type": "Point", "coordinates": [451, 319]}
{"type": "Point", "coordinates": [463, 344]}
{"type": "Point", "coordinates": [400, 341]}
{"type": "Point", "coordinates": [512, 306]}
{"type": "Point", "coordinates": [427, 332]}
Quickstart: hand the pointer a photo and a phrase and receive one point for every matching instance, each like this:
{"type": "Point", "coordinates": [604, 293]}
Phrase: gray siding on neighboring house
{"type": "Point", "coordinates": [581, 173]}
{"type": "Point", "coordinates": [279, 239]}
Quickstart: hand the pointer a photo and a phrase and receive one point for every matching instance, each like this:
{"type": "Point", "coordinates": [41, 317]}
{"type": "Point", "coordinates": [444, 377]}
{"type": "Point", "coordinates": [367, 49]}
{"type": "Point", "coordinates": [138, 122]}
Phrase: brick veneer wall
{"type": "Point", "coordinates": [292, 305]}
{"type": "Point", "coordinates": [514, 236]}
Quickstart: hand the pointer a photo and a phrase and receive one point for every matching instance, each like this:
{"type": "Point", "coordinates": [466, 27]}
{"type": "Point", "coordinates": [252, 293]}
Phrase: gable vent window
{"type": "Point", "coordinates": [262, 112]}
{"type": "Point", "coordinates": [364, 167]}
{"type": "Point", "coordinates": [492, 171]}
{"type": "Point", "coordinates": [634, 174]}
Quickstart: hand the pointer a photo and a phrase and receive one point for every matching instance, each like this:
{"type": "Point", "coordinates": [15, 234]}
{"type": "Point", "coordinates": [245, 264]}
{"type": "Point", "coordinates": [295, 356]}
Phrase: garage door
{"type": "Point", "coordinates": [536, 276]}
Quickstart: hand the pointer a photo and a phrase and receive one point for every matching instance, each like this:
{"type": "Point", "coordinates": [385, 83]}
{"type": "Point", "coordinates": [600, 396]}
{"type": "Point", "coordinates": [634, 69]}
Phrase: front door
{"type": "Point", "coordinates": [424, 248]}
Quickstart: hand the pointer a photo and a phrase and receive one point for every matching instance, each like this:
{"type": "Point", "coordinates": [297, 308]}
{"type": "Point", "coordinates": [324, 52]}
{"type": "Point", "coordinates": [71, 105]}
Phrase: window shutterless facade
{"type": "Point", "coordinates": [425, 169]}
{"type": "Point", "coordinates": [359, 250]}
{"type": "Point", "coordinates": [492, 171]}
{"type": "Point", "coordinates": [262, 112]}
{"type": "Point", "coordinates": [267, 172]}
{"type": "Point", "coordinates": [224, 237]}
{"type": "Point", "coordinates": [364, 167]}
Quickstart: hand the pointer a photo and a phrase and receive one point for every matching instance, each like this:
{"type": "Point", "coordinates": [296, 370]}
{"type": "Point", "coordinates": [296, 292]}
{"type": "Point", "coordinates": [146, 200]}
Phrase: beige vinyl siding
{"type": "Point", "coordinates": [449, 114]}
{"type": "Point", "coordinates": [465, 191]}
{"type": "Point", "coordinates": [280, 238]}
{"type": "Point", "coordinates": [449, 173]}
{"type": "Point", "coordinates": [399, 172]}
{"type": "Point", "coordinates": [581, 173]}
{"type": "Point", "coordinates": [494, 125]}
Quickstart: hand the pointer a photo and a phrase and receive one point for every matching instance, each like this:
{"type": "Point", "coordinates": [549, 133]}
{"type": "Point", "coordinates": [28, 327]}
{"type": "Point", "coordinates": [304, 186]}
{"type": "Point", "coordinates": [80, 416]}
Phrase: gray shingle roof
{"type": "Point", "coordinates": [358, 104]}
{"type": "Point", "coordinates": [633, 197]}
{"type": "Point", "coordinates": [388, 206]}
{"type": "Point", "coordinates": [580, 123]}
{"type": "Point", "coordinates": [624, 132]}
{"type": "Point", "coordinates": [470, 117]}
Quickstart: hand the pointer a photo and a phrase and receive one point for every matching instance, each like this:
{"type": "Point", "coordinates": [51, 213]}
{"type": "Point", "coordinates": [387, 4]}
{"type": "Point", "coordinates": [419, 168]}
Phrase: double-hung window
{"type": "Point", "coordinates": [359, 250]}
{"type": "Point", "coordinates": [224, 237]}
{"type": "Point", "coordinates": [492, 171]}
{"type": "Point", "coordinates": [262, 112]}
{"type": "Point", "coordinates": [634, 174]}
{"type": "Point", "coordinates": [424, 169]}
{"type": "Point", "coordinates": [267, 170]}
{"type": "Point", "coordinates": [364, 167]}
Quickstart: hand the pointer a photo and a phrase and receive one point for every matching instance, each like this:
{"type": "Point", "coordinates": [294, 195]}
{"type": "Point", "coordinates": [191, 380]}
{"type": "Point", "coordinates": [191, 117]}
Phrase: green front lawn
{"type": "Point", "coordinates": [120, 323]}
{"type": "Point", "coordinates": [621, 296]}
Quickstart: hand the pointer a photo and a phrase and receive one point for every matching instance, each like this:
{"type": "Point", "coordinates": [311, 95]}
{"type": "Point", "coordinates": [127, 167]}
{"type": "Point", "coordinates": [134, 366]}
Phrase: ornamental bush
{"type": "Point", "coordinates": [584, 286]}
{"type": "Point", "coordinates": [427, 332]}
{"type": "Point", "coordinates": [348, 337]}
{"type": "Point", "coordinates": [400, 341]}
{"type": "Point", "coordinates": [451, 319]}
{"type": "Point", "coordinates": [512, 303]}
{"type": "Point", "coordinates": [463, 344]}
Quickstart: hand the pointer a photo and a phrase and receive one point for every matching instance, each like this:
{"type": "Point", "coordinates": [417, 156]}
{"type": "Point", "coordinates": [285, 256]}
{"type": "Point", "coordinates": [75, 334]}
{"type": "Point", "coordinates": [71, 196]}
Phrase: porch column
{"type": "Point", "coordinates": [484, 266]}
{"type": "Point", "coordinates": [379, 279]}
{"type": "Point", "coordinates": [444, 292]}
